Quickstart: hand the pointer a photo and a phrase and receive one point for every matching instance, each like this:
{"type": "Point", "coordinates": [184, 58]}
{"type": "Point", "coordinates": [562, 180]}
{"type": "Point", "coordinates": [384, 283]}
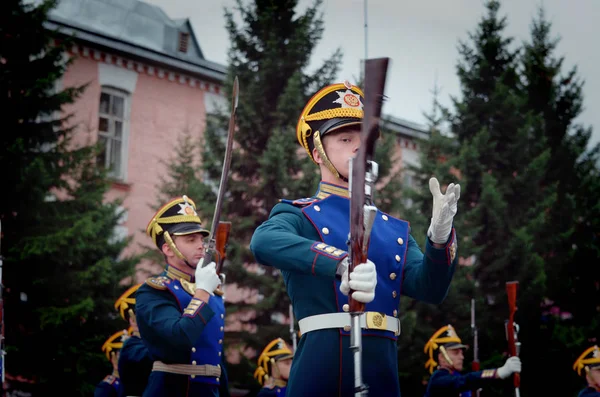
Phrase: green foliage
{"type": "Point", "coordinates": [63, 263]}
{"type": "Point", "coordinates": [525, 212]}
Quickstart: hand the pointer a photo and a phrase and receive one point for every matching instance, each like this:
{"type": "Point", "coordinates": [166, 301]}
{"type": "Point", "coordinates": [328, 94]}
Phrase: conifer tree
{"type": "Point", "coordinates": [569, 317]}
{"type": "Point", "coordinates": [63, 260]}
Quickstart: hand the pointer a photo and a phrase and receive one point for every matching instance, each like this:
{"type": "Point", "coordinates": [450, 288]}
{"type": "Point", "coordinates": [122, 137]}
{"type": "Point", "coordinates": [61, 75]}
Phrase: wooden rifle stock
{"type": "Point", "coordinates": [360, 187]}
{"type": "Point", "coordinates": [511, 328]}
{"type": "Point", "coordinates": [222, 238]}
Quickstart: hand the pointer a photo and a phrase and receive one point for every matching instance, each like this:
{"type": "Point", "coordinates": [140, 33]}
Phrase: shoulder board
{"type": "Point", "coordinates": [303, 202]}
{"type": "Point", "coordinates": [159, 282]}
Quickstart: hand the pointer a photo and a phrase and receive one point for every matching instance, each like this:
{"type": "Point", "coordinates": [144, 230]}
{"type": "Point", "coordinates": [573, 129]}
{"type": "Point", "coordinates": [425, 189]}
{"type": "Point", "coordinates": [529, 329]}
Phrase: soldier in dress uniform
{"type": "Point", "coordinates": [111, 384]}
{"type": "Point", "coordinates": [307, 240]}
{"type": "Point", "coordinates": [589, 362]}
{"type": "Point", "coordinates": [447, 381]}
{"type": "Point", "coordinates": [135, 362]}
{"type": "Point", "coordinates": [181, 314]}
{"type": "Point", "coordinates": [273, 369]}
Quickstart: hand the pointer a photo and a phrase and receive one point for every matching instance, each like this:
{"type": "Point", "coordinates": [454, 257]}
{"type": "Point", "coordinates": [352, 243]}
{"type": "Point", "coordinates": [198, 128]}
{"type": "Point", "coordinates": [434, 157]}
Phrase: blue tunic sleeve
{"type": "Point", "coordinates": [427, 276]}
{"type": "Point", "coordinates": [165, 329]}
{"type": "Point", "coordinates": [288, 241]}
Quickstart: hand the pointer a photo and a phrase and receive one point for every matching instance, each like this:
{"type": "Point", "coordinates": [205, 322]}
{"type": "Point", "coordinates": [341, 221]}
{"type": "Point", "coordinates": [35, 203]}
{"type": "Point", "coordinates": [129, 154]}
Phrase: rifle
{"type": "Point", "coordinates": [293, 334]}
{"type": "Point", "coordinates": [2, 351]}
{"type": "Point", "coordinates": [512, 329]}
{"type": "Point", "coordinates": [211, 246]}
{"type": "Point", "coordinates": [363, 173]}
{"type": "Point", "coordinates": [475, 366]}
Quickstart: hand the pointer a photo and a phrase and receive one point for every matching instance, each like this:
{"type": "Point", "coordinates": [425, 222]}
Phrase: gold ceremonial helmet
{"type": "Point", "coordinates": [275, 351]}
{"type": "Point", "coordinates": [589, 359]}
{"type": "Point", "coordinates": [176, 218]}
{"type": "Point", "coordinates": [126, 302]}
{"type": "Point", "coordinates": [331, 108]}
{"type": "Point", "coordinates": [114, 343]}
{"type": "Point", "coordinates": [444, 339]}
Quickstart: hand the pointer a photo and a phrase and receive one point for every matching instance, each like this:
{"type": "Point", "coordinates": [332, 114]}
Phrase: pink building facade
{"type": "Point", "coordinates": [147, 83]}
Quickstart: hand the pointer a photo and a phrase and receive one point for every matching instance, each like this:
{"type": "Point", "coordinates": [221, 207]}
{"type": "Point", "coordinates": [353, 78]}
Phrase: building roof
{"type": "Point", "coordinates": [134, 28]}
{"type": "Point", "coordinates": [405, 127]}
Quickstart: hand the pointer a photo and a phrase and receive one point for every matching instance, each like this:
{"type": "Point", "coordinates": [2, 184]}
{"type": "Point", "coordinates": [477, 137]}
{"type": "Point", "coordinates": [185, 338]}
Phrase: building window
{"type": "Point", "coordinates": [184, 39]}
{"type": "Point", "coordinates": [112, 132]}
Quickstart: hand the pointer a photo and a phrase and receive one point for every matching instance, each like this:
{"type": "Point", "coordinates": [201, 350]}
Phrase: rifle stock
{"type": "Point", "coordinates": [512, 329]}
{"type": "Point", "coordinates": [221, 241]}
{"type": "Point", "coordinates": [363, 172]}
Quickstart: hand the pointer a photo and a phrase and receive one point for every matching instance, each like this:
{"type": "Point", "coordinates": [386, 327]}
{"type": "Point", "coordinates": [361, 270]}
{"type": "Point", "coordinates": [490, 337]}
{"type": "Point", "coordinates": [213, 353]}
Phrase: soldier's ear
{"type": "Point", "coordinates": [166, 250]}
{"type": "Point", "coordinates": [317, 156]}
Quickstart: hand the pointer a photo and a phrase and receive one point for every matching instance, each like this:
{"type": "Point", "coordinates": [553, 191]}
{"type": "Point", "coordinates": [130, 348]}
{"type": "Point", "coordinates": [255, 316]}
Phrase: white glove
{"type": "Point", "coordinates": [511, 366]}
{"type": "Point", "coordinates": [206, 277]}
{"type": "Point", "coordinates": [444, 209]}
{"type": "Point", "coordinates": [363, 281]}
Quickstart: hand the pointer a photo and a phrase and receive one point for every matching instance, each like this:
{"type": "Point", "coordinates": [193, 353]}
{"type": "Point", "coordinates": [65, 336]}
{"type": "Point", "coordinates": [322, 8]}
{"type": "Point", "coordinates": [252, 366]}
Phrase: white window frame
{"type": "Point", "coordinates": [121, 173]}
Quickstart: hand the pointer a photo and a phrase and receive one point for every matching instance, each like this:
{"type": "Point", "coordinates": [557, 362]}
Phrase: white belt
{"type": "Point", "coordinates": [368, 320]}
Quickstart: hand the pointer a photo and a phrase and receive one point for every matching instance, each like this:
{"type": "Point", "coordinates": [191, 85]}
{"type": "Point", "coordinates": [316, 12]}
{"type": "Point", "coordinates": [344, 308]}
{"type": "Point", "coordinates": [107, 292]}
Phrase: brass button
{"type": "Point", "coordinates": [400, 241]}
{"type": "Point", "coordinates": [347, 328]}
{"type": "Point", "coordinates": [220, 341]}
{"type": "Point", "coordinates": [394, 294]}
{"type": "Point", "coordinates": [222, 316]}
{"type": "Point", "coordinates": [397, 258]}
{"type": "Point", "coordinates": [193, 350]}
{"type": "Point", "coordinates": [392, 276]}
{"type": "Point", "coordinates": [317, 208]}
{"type": "Point", "coordinates": [346, 307]}
{"type": "Point", "coordinates": [194, 362]}
{"type": "Point", "coordinates": [192, 376]}
{"type": "Point", "coordinates": [385, 217]}
{"type": "Point", "coordinates": [325, 230]}
{"type": "Point", "coordinates": [221, 328]}
{"type": "Point", "coordinates": [219, 354]}
{"type": "Point", "coordinates": [217, 379]}
{"type": "Point", "coordinates": [219, 365]}
{"type": "Point", "coordinates": [395, 313]}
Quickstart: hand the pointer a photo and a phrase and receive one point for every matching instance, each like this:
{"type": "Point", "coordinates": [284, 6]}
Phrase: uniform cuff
{"type": "Point", "coordinates": [326, 259]}
{"type": "Point", "coordinates": [447, 254]}
{"type": "Point", "coordinates": [196, 307]}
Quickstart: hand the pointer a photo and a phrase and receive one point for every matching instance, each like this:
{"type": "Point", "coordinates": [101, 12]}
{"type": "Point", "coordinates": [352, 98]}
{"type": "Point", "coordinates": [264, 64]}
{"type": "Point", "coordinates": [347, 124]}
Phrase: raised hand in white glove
{"type": "Point", "coordinates": [363, 281]}
{"type": "Point", "coordinates": [206, 277]}
{"type": "Point", "coordinates": [511, 366]}
{"type": "Point", "coordinates": [444, 209]}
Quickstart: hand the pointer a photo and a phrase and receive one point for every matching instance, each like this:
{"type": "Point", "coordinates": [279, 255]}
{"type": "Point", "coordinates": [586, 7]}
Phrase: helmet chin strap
{"type": "Point", "coordinates": [321, 150]}
{"type": "Point", "coordinates": [447, 357]}
{"type": "Point", "coordinates": [174, 248]}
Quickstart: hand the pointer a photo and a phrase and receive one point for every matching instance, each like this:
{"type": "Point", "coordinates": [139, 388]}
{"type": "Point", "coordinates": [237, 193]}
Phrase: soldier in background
{"type": "Point", "coordinates": [181, 313]}
{"type": "Point", "coordinates": [111, 384]}
{"type": "Point", "coordinates": [447, 381]}
{"type": "Point", "coordinates": [589, 361]}
{"type": "Point", "coordinates": [135, 362]}
{"type": "Point", "coordinates": [273, 372]}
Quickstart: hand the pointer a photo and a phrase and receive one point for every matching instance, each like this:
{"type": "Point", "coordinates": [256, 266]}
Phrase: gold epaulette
{"type": "Point", "coordinates": [159, 283]}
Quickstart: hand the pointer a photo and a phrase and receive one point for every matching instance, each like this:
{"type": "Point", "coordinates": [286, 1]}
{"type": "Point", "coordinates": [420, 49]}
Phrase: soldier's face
{"type": "Point", "coordinates": [284, 367]}
{"type": "Point", "coordinates": [593, 377]}
{"type": "Point", "coordinates": [191, 246]}
{"type": "Point", "coordinates": [341, 145]}
{"type": "Point", "coordinates": [457, 356]}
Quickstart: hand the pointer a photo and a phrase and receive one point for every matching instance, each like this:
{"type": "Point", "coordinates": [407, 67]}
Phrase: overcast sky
{"type": "Point", "coordinates": [421, 39]}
